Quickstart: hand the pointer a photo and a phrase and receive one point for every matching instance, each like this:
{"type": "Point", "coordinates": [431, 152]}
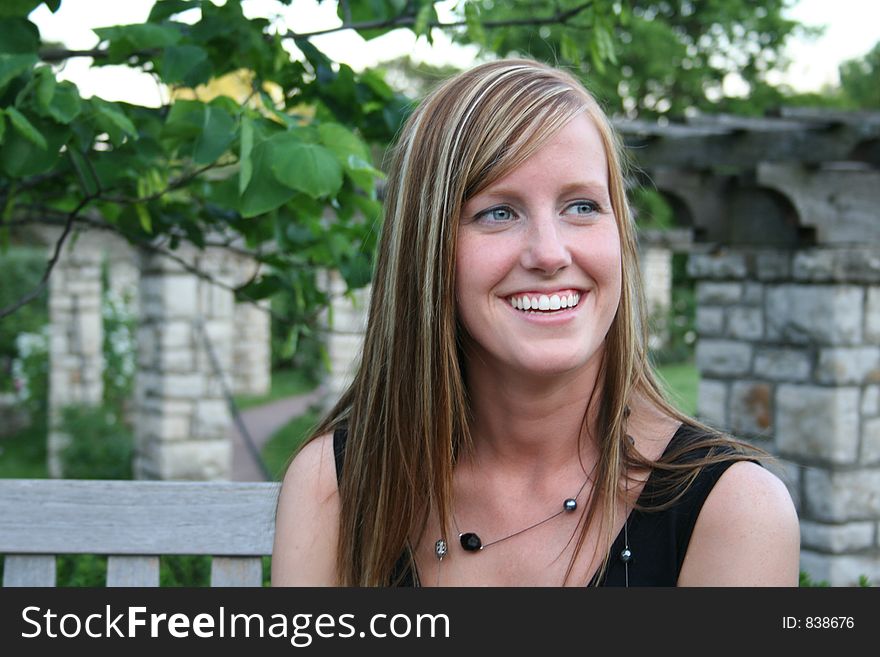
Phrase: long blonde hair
{"type": "Point", "coordinates": [407, 410]}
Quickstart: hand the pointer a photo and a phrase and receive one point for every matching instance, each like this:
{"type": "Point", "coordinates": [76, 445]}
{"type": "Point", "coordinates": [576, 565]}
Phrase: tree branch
{"type": "Point", "coordinates": [54, 55]}
{"type": "Point", "coordinates": [41, 286]}
{"type": "Point", "coordinates": [408, 20]}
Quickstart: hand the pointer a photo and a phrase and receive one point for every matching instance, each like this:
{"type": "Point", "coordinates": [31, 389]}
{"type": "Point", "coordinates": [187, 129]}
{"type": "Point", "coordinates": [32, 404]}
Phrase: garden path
{"type": "Point", "coordinates": [262, 422]}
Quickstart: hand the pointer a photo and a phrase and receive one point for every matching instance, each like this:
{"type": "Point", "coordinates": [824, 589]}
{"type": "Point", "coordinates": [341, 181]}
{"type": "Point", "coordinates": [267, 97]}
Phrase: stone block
{"type": "Point", "coordinates": [859, 265]}
{"type": "Point", "coordinates": [723, 294]}
{"type": "Point", "coordinates": [751, 408]}
{"type": "Point", "coordinates": [712, 403]}
{"type": "Point", "coordinates": [196, 460]}
{"type": "Point", "coordinates": [781, 364]}
{"type": "Point", "coordinates": [184, 386]}
{"type": "Point", "coordinates": [842, 496]}
{"type": "Point", "coordinates": [745, 323]}
{"type": "Point", "coordinates": [872, 315]}
{"type": "Point", "coordinates": [176, 361]}
{"type": "Point", "coordinates": [846, 537]}
{"type": "Point", "coordinates": [723, 357]}
{"type": "Point", "coordinates": [180, 296]}
{"type": "Point", "coordinates": [849, 365]}
{"type": "Point", "coordinates": [211, 419]}
{"type": "Point", "coordinates": [720, 265]}
{"type": "Point", "coordinates": [176, 334]}
{"type": "Point", "coordinates": [818, 423]}
{"type": "Point", "coordinates": [164, 427]}
{"type": "Point", "coordinates": [790, 473]}
{"type": "Point", "coordinates": [772, 265]}
{"type": "Point", "coordinates": [870, 451]}
{"type": "Point", "coordinates": [710, 321]}
{"type": "Point", "coordinates": [870, 401]}
{"type": "Point", "coordinates": [840, 570]}
{"type": "Point", "coordinates": [753, 294]}
{"type": "Point", "coordinates": [814, 314]}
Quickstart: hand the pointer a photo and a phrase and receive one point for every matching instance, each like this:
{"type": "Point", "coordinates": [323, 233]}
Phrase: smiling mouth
{"type": "Point", "coordinates": [544, 303]}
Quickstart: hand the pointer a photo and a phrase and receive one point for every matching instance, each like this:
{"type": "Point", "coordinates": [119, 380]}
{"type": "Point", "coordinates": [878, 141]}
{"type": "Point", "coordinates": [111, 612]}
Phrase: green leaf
{"type": "Point", "coordinates": [2, 126]}
{"type": "Point", "coordinates": [127, 39]}
{"type": "Point", "coordinates": [18, 36]}
{"type": "Point", "coordinates": [474, 25]}
{"type": "Point", "coordinates": [246, 167]}
{"type": "Point", "coordinates": [342, 141]}
{"type": "Point", "coordinates": [309, 168]}
{"type": "Point", "coordinates": [425, 16]}
{"type": "Point", "coordinates": [84, 172]}
{"type": "Point", "coordinates": [26, 129]}
{"type": "Point", "coordinates": [569, 48]}
{"type": "Point", "coordinates": [185, 64]}
{"type": "Point", "coordinates": [185, 119]}
{"type": "Point", "coordinates": [20, 157]}
{"type": "Point", "coordinates": [362, 173]}
{"type": "Point", "coordinates": [46, 85]}
{"type": "Point", "coordinates": [167, 8]}
{"type": "Point", "coordinates": [111, 119]}
{"type": "Point", "coordinates": [264, 193]}
{"type": "Point", "coordinates": [66, 104]}
{"type": "Point", "coordinates": [11, 66]}
{"type": "Point", "coordinates": [18, 7]}
{"type": "Point", "coordinates": [144, 217]}
{"type": "Point", "coordinates": [218, 131]}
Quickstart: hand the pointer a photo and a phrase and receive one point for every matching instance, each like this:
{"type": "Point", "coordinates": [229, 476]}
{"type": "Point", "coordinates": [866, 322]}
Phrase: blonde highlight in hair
{"type": "Point", "coordinates": [407, 410]}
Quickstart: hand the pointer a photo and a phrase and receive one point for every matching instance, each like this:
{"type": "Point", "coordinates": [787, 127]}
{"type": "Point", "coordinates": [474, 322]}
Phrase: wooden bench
{"type": "Point", "coordinates": [134, 523]}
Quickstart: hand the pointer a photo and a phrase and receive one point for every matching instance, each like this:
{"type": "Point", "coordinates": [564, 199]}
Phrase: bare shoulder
{"type": "Point", "coordinates": [747, 533]}
{"type": "Point", "coordinates": [307, 517]}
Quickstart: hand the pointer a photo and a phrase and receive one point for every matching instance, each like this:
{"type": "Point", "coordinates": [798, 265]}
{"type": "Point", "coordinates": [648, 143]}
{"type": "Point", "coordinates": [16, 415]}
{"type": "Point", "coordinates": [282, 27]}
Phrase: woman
{"type": "Point", "coordinates": [504, 426]}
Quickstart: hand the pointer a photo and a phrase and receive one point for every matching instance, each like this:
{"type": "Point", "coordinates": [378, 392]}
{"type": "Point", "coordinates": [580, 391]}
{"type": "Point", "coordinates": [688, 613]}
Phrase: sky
{"type": "Point", "coordinates": [852, 27]}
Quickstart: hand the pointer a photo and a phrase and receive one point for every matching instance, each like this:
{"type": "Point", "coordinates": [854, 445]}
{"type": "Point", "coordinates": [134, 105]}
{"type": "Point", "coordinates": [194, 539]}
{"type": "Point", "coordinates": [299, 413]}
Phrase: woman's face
{"type": "Point", "coordinates": [538, 269]}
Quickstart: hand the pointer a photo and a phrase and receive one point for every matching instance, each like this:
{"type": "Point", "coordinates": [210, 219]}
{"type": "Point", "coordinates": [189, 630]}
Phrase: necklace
{"type": "Point", "coordinates": [471, 541]}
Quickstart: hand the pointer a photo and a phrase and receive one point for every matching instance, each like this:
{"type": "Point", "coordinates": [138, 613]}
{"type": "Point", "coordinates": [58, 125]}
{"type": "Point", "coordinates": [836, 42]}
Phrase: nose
{"type": "Point", "coordinates": [547, 251]}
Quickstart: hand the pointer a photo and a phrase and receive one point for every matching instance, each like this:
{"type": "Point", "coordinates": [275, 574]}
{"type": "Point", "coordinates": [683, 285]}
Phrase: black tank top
{"type": "Point", "coordinates": [658, 540]}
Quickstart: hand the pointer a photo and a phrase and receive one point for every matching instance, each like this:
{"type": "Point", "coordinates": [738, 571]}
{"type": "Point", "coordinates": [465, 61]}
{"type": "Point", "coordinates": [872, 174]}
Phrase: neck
{"type": "Point", "coordinates": [521, 419]}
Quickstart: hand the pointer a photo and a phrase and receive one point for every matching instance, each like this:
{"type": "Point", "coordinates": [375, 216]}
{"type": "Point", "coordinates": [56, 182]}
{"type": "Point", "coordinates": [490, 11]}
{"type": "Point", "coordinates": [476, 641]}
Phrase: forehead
{"type": "Point", "coordinates": [575, 154]}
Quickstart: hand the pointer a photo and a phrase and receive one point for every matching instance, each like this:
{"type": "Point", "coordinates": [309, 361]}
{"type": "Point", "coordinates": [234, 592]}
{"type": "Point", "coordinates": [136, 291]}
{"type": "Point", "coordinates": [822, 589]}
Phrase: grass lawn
{"type": "Point", "coordinates": [285, 383]}
{"type": "Point", "coordinates": [681, 381]}
{"type": "Point", "coordinates": [23, 454]}
{"type": "Point", "coordinates": [278, 450]}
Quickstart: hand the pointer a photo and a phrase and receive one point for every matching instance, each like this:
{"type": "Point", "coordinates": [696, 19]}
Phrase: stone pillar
{"type": "Point", "coordinates": [252, 349]}
{"type": "Point", "coordinates": [182, 417]}
{"type": "Point", "coordinates": [656, 262]}
{"type": "Point", "coordinates": [789, 357]}
{"type": "Point", "coordinates": [346, 322]}
{"type": "Point", "coordinates": [76, 360]}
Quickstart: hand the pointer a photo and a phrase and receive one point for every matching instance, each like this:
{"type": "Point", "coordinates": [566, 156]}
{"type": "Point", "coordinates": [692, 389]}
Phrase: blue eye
{"type": "Point", "coordinates": [582, 208]}
{"type": "Point", "coordinates": [498, 214]}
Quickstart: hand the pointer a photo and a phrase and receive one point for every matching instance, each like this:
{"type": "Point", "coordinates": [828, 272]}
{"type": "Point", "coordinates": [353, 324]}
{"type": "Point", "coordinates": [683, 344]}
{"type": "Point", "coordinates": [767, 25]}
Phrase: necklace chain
{"type": "Point", "coordinates": [567, 507]}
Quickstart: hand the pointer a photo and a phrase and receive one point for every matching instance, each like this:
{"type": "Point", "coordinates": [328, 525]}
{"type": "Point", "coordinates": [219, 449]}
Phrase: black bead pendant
{"type": "Point", "coordinates": [470, 542]}
{"type": "Point", "coordinates": [570, 504]}
{"type": "Point", "coordinates": [626, 555]}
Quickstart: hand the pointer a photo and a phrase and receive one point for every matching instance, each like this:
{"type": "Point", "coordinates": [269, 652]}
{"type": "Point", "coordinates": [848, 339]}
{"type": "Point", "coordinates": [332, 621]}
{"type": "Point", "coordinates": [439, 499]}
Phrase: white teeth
{"type": "Point", "coordinates": [545, 302]}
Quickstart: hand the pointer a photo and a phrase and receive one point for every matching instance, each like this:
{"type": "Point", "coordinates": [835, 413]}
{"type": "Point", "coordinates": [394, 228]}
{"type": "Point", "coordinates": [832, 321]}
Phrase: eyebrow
{"type": "Point", "coordinates": [590, 186]}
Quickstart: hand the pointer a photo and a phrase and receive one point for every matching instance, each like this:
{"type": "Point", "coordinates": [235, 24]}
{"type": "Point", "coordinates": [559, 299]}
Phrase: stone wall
{"type": "Point", "coordinates": [76, 360]}
{"type": "Point", "coordinates": [789, 355]}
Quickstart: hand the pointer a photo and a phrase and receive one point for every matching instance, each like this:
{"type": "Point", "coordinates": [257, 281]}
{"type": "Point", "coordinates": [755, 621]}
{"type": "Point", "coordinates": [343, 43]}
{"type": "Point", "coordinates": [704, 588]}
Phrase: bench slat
{"type": "Point", "coordinates": [236, 571]}
{"type": "Point", "coordinates": [56, 516]}
{"type": "Point", "coordinates": [132, 571]}
{"type": "Point", "coordinates": [29, 570]}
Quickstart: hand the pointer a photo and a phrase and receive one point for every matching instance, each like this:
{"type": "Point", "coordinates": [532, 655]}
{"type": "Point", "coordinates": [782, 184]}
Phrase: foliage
{"type": "Point", "coordinates": [680, 322]}
{"type": "Point", "coordinates": [30, 372]}
{"type": "Point", "coordinates": [20, 269]}
{"type": "Point", "coordinates": [119, 321]}
{"type": "Point", "coordinates": [23, 453]}
{"type": "Point", "coordinates": [860, 80]}
{"type": "Point", "coordinates": [101, 443]}
{"type": "Point", "coordinates": [648, 57]}
{"type": "Point", "coordinates": [288, 162]}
